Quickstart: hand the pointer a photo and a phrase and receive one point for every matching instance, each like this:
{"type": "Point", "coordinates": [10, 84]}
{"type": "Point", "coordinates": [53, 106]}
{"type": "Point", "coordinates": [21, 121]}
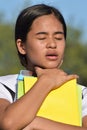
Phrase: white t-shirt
{"type": "Point", "coordinates": [10, 82]}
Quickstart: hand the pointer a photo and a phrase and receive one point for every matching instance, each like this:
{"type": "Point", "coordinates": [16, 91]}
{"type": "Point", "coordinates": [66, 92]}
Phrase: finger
{"type": "Point", "coordinates": [62, 72]}
{"type": "Point", "coordinates": [69, 77]}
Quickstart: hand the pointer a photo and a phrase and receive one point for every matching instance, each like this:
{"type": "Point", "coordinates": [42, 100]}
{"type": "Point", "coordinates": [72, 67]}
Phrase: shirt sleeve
{"type": "Point", "coordinates": [5, 94]}
{"type": "Point", "coordinates": [84, 102]}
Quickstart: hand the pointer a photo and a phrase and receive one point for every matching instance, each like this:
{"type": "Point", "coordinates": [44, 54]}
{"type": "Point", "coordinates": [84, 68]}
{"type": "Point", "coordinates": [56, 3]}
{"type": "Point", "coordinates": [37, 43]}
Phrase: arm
{"type": "Point", "coordinates": [40, 123]}
{"type": "Point", "coordinates": [21, 113]}
{"type": "Point", "coordinates": [84, 121]}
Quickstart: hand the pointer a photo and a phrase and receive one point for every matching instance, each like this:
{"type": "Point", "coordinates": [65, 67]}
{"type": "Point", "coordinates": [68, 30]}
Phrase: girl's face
{"type": "Point", "coordinates": [45, 42]}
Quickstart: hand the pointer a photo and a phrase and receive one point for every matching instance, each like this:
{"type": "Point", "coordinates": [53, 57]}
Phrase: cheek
{"type": "Point", "coordinates": [61, 48]}
{"type": "Point", "coordinates": [33, 53]}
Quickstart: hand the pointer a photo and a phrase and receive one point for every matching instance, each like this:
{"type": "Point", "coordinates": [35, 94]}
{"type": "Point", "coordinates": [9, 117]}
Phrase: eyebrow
{"type": "Point", "coordinates": [41, 33]}
{"type": "Point", "coordinates": [59, 32]}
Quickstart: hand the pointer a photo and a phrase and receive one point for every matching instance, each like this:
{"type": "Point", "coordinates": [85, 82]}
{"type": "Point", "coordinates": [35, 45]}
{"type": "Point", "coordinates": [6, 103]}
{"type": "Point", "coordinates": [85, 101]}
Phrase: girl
{"type": "Point", "coordinates": [40, 35]}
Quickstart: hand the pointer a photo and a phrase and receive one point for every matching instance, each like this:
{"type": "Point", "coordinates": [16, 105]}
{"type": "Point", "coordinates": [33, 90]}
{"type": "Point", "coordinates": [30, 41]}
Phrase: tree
{"type": "Point", "coordinates": [9, 62]}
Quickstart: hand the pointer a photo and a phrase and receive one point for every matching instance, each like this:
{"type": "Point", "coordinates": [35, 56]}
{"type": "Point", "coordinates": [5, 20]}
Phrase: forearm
{"type": "Point", "coordinates": [25, 109]}
{"type": "Point", "coordinates": [40, 123]}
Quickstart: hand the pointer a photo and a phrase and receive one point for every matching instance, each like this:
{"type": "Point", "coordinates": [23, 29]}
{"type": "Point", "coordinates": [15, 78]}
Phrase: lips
{"type": "Point", "coordinates": [52, 56]}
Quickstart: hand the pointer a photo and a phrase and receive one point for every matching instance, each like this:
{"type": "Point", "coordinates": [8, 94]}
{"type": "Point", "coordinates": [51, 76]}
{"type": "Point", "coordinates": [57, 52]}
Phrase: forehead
{"type": "Point", "coordinates": [47, 21]}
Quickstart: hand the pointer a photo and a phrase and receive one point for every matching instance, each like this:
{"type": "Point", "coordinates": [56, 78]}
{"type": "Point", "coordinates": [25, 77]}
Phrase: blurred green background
{"type": "Point", "coordinates": [75, 60]}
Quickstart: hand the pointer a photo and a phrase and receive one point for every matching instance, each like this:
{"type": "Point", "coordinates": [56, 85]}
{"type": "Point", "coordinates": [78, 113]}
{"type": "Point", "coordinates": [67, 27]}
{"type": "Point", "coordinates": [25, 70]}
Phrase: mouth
{"type": "Point", "coordinates": [52, 56]}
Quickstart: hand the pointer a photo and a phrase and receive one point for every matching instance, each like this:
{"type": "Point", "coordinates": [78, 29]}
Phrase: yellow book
{"type": "Point", "coordinates": [62, 104]}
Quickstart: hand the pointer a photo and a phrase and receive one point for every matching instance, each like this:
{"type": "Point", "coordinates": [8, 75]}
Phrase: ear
{"type": "Point", "coordinates": [21, 46]}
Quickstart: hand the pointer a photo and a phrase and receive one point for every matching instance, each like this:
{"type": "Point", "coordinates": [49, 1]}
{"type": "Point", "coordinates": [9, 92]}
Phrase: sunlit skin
{"type": "Point", "coordinates": [45, 42]}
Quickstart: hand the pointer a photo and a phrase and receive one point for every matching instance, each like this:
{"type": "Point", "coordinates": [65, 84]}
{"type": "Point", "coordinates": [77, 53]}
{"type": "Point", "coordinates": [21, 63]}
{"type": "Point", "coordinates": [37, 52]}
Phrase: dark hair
{"type": "Point", "coordinates": [26, 19]}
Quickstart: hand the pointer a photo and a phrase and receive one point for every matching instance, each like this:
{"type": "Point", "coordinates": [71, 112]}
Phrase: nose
{"type": "Point", "coordinates": [51, 43]}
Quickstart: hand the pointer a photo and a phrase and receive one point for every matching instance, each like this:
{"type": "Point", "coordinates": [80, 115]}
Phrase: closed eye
{"type": "Point", "coordinates": [41, 35]}
{"type": "Point", "coordinates": [58, 38]}
{"type": "Point", "coordinates": [43, 38]}
{"type": "Point", "coordinates": [59, 35]}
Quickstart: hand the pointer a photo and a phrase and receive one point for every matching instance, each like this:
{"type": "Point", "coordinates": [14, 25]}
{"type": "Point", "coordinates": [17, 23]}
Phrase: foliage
{"type": "Point", "coordinates": [9, 62]}
{"type": "Point", "coordinates": [75, 60]}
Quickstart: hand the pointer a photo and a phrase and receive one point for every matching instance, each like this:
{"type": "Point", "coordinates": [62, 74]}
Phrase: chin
{"type": "Point", "coordinates": [50, 67]}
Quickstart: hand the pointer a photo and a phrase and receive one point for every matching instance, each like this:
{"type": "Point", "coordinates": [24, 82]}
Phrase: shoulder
{"type": "Point", "coordinates": [10, 81]}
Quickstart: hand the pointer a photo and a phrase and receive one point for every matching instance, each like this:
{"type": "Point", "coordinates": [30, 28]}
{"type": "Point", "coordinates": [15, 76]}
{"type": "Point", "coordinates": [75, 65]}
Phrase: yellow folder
{"type": "Point", "coordinates": [62, 104]}
{"type": "Point", "coordinates": [20, 89]}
